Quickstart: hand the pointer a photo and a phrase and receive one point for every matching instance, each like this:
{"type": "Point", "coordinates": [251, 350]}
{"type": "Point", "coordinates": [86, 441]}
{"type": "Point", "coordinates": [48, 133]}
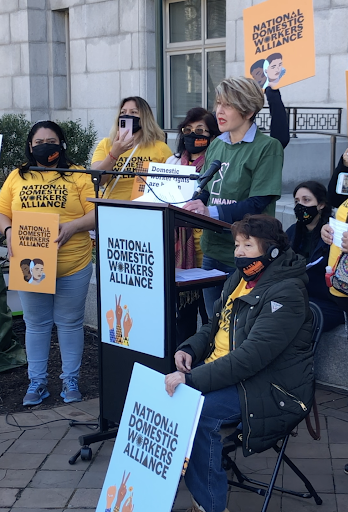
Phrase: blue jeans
{"type": "Point", "coordinates": [205, 478]}
{"type": "Point", "coordinates": [66, 308]}
{"type": "Point", "coordinates": [212, 294]}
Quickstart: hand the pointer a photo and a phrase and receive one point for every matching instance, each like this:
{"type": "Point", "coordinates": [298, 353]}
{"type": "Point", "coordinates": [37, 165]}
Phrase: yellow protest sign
{"type": "Point", "coordinates": [33, 266]}
{"type": "Point", "coordinates": [279, 42]}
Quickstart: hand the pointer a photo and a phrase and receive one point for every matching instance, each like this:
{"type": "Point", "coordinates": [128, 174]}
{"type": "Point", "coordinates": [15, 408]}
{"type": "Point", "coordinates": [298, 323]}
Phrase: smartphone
{"type": "Point", "coordinates": [124, 125]}
{"type": "Point", "coordinates": [342, 183]}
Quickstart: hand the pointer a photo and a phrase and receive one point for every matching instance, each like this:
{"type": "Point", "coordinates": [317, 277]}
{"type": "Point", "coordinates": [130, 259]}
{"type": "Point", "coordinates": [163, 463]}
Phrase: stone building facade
{"type": "Point", "coordinates": [77, 58]}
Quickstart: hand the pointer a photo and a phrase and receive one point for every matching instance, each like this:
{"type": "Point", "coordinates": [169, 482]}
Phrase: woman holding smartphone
{"type": "Point", "coordinates": [125, 151]}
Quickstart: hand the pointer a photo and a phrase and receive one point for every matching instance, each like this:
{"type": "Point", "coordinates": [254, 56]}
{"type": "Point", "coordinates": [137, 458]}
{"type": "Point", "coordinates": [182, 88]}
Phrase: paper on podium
{"type": "Point", "coordinates": [192, 274]}
{"type": "Point", "coordinates": [154, 439]}
{"type": "Point", "coordinates": [173, 190]}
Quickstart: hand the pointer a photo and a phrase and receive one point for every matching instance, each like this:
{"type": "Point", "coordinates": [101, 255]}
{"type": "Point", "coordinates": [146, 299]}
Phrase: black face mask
{"type": "Point", "coordinates": [305, 214]}
{"type": "Point", "coordinates": [136, 122]}
{"type": "Point", "coordinates": [47, 154]}
{"type": "Point", "coordinates": [196, 143]}
{"type": "Point", "coordinates": [251, 268]}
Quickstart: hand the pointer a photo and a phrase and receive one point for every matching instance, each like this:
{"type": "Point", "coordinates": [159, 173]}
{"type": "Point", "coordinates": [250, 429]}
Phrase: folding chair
{"type": "Point", "coordinates": [262, 488]}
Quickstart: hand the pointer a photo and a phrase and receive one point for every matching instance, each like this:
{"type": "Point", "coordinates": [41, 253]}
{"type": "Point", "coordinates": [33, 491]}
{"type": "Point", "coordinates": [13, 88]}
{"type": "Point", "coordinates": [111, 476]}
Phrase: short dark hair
{"type": "Point", "coordinates": [320, 193]}
{"type": "Point", "coordinates": [274, 56]}
{"type": "Point", "coordinates": [257, 64]}
{"type": "Point", "coordinates": [25, 262]}
{"type": "Point", "coordinates": [266, 229]}
{"type": "Point", "coordinates": [37, 261]}
{"type": "Point", "coordinates": [193, 115]}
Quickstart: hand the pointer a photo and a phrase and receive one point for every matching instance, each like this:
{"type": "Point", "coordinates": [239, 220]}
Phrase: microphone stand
{"type": "Point", "coordinates": [96, 174]}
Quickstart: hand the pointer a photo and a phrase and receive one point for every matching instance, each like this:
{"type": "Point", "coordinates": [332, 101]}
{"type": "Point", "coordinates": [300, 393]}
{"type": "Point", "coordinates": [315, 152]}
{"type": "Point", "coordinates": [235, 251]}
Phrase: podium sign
{"type": "Point", "coordinates": [136, 292]}
{"type": "Point", "coordinates": [131, 255]}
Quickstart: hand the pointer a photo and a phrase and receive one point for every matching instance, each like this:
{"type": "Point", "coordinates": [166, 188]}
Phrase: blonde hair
{"type": "Point", "coordinates": [243, 94]}
{"type": "Point", "coordinates": [150, 132]}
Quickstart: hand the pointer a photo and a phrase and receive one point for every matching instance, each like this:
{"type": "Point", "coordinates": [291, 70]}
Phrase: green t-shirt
{"type": "Point", "coordinates": [248, 169]}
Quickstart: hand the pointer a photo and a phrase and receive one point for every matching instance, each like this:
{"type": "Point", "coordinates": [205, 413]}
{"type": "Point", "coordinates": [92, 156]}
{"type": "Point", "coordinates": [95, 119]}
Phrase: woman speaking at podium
{"type": "Point", "coordinates": [46, 147]}
{"type": "Point", "coordinates": [250, 177]}
{"type": "Point", "coordinates": [144, 142]}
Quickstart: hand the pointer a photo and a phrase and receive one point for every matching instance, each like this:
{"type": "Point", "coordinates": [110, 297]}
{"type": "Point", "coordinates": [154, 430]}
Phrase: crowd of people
{"type": "Point", "coordinates": [252, 357]}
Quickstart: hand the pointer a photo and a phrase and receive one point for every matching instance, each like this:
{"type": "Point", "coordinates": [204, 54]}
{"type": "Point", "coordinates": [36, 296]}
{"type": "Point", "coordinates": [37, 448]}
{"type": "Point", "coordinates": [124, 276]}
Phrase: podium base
{"type": "Point", "coordinates": [85, 452]}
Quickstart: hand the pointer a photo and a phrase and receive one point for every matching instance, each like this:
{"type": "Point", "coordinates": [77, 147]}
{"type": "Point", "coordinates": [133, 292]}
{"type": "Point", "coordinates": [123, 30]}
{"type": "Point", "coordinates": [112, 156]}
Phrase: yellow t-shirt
{"type": "Point", "coordinates": [47, 192]}
{"type": "Point", "coordinates": [158, 152]}
{"type": "Point", "coordinates": [334, 250]}
{"type": "Point", "coordinates": [222, 337]}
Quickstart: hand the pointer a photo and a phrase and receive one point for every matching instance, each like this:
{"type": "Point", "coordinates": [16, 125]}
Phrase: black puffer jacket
{"type": "Point", "coordinates": [272, 363]}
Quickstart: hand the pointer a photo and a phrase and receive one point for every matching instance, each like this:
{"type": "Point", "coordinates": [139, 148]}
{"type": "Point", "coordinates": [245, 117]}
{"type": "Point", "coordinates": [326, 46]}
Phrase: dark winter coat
{"type": "Point", "coordinates": [272, 363]}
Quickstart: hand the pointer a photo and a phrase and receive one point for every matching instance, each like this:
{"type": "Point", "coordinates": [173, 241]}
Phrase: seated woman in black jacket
{"type": "Point", "coordinates": [312, 211]}
{"type": "Point", "coordinates": [253, 360]}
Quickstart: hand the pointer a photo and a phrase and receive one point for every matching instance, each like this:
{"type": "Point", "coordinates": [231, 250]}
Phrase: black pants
{"type": "Point", "coordinates": [186, 320]}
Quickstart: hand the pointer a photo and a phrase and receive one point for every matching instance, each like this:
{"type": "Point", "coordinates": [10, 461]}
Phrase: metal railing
{"type": "Point", "coordinates": [324, 121]}
{"type": "Point", "coordinates": [310, 119]}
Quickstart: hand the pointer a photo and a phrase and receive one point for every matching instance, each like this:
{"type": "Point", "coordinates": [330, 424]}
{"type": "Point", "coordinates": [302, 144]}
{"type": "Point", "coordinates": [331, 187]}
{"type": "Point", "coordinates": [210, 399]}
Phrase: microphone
{"type": "Point", "coordinates": [207, 176]}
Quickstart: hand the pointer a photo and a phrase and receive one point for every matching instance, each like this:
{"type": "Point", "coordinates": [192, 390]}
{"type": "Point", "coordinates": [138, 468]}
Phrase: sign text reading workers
{"type": "Point", "coordinates": [131, 262]}
{"type": "Point", "coordinates": [278, 31]}
{"type": "Point", "coordinates": [34, 236]}
{"type": "Point", "coordinates": [152, 439]}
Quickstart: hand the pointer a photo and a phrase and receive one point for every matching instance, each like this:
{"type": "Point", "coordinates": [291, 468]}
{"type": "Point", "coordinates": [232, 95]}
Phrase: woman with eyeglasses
{"type": "Point", "coordinates": [63, 192]}
{"type": "Point", "coordinates": [128, 151]}
{"type": "Point", "coordinates": [195, 134]}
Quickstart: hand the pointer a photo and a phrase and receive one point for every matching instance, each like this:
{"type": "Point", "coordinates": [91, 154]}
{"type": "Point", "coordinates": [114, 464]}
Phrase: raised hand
{"type": "Point", "coordinates": [128, 506]}
{"type": "Point", "coordinates": [110, 318]}
{"type": "Point", "coordinates": [110, 495]}
{"type": "Point", "coordinates": [118, 310]}
{"type": "Point", "coordinates": [122, 490]}
{"type": "Point", "coordinates": [127, 324]}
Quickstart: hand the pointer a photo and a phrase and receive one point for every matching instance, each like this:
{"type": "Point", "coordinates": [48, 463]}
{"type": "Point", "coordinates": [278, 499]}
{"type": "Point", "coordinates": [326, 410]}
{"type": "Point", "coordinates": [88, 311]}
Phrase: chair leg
{"type": "Point", "coordinates": [302, 477]}
{"type": "Point", "coordinates": [267, 492]}
{"type": "Point", "coordinates": [275, 474]}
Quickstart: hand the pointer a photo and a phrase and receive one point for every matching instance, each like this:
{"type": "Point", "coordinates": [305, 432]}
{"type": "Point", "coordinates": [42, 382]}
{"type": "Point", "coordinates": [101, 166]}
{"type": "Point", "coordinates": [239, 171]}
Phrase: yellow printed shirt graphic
{"type": "Point", "coordinates": [158, 152]}
{"type": "Point", "coordinates": [48, 192]}
{"type": "Point", "coordinates": [222, 338]}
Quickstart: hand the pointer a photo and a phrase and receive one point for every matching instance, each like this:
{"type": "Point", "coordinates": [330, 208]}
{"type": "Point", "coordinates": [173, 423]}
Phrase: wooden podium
{"type": "Point", "coordinates": [136, 296]}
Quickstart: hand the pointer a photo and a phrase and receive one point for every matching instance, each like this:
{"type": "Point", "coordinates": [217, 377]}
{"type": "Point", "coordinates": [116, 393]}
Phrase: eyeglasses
{"type": "Point", "coordinates": [197, 131]}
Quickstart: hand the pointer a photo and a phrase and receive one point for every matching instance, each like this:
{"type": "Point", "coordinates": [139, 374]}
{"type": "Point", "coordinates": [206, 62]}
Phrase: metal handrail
{"type": "Point", "coordinates": [333, 138]}
{"type": "Point", "coordinates": [320, 118]}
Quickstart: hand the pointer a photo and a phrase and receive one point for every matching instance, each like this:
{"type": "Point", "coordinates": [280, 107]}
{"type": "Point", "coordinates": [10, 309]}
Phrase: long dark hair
{"type": "Point", "coordinates": [320, 193]}
{"type": "Point", "coordinates": [193, 115]}
{"type": "Point", "coordinates": [64, 161]}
